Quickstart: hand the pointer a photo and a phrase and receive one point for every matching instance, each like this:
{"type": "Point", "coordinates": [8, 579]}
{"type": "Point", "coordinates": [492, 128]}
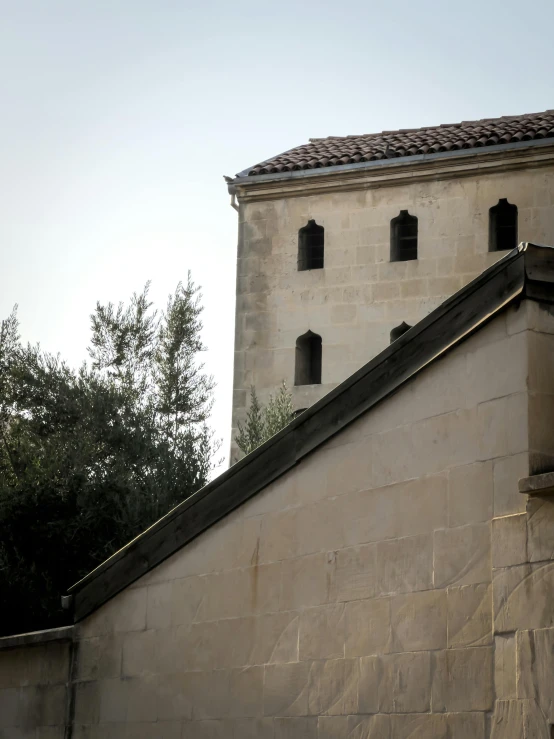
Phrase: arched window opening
{"type": "Point", "coordinates": [310, 246]}
{"type": "Point", "coordinates": [308, 360]}
{"type": "Point", "coordinates": [397, 332]}
{"type": "Point", "coordinates": [403, 237]}
{"type": "Point", "coordinates": [503, 226]}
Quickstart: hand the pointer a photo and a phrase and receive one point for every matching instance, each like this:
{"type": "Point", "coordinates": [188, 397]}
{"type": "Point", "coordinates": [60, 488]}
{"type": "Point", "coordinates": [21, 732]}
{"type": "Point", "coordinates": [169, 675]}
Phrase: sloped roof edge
{"type": "Point", "coordinates": [526, 271]}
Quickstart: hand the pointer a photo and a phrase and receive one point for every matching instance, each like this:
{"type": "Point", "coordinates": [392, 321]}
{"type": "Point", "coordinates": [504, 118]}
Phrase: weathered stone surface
{"type": "Point", "coordinates": [470, 494]}
{"type": "Point", "coordinates": [463, 680]}
{"type": "Point", "coordinates": [469, 615]}
{"type": "Point", "coordinates": [419, 726]}
{"type": "Point", "coordinates": [405, 565]}
{"type": "Point", "coordinates": [540, 529]}
{"type": "Point", "coordinates": [247, 687]}
{"type": "Point", "coordinates": [462, 556]}
{"type": "Point", "coordinates": [158, 606]}
{"type": "Point", "coordinates": [287, 689]}
{"type": "Point", "coordinates": [506, 474]}
{"type": "Point", "coordinates": [505, 666]}
{"type": "Point", "coordinates": [522, 597]}
{"type": "Point", "coordinates": [354, 574]}
{"type": "Point", "coordinates": [354, 727]}
{"type": "Point", "coordinates": [405, 685]}
{"type": "Point", "coordinates": [99, 657]}
{"type": "Point", "coordinates": [253, 728]}
{"type": "Point", "coordinates": [535, 657]}
{"type": "Point", "coordinates": [367, 626]}
{"type": "Point", "coordinates": [509, 540]}
{"type": "Point", "coordinates": [419, 621]}
{"type": "Point", "coordinates": [186, 597]}
{"type": "Point", "coordinates": [175, 696]}
{"type": "Point", "coordinates": [518, 719]}
{"type": "Point", "coordinates": [322, 632]}
{"type": "Point", "coordinates": [296, 728]}
{"type": "Point", "coordinates": [306, 582]}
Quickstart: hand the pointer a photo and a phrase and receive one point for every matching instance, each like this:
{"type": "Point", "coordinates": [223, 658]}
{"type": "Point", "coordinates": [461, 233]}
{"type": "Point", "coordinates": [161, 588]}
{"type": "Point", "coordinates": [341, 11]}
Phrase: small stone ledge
{"type": "Point", "coordinates": [537, 484]}
{"type": "Point", "coordinates": [64, 633]}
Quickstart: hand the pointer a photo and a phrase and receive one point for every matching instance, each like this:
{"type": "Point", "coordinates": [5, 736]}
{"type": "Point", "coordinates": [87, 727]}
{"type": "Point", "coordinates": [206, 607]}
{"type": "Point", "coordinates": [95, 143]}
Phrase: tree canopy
{"type": "Point", "coordinates": [91, 457]}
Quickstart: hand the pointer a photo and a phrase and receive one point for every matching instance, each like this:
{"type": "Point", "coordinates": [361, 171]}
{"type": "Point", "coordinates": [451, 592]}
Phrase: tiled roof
{"type": "Point", "coordinates": [334, 151]}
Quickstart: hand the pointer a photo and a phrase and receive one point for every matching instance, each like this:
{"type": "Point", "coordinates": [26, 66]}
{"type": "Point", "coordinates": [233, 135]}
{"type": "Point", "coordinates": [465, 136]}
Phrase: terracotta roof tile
{"type": "Point", "coordinates": [336, 150]}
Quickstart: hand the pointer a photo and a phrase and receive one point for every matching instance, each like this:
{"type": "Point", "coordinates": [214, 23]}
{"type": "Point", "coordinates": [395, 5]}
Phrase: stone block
{"type": "Point", "coordinates": [247, 687]}
{"type": "Point", "coordinates": [142, 699]}
{"type": "Point", "coordinates": [462, 556]}
{"type": "Point", "coordinates": [507, 473]}
{"type": "Point", "coordinates": [368, 629]}
{"type": "Point", "coordinates": [253, 728]}
{"type": "Point", "coordinates": [505, 666]}
{"type": "Point", "coordinates": [518, 719]}
{"type": "Point", "coordinates": [405, 686]}
{"type": "Point", "coordinates": [371, 675]}
{"type": "Point", "coordinates": [113, 697]}
{"type": "Point", "coordinates": [469, 615]}
{"type": "Point", "coordinates": [87, 702]}
{"type": "Point", "coordinates": [498, 434]}
{"type": "Point", "coordinates": [404, 509]}
{"type": "Point", "coordinates": [287, 689]}
{"type": "Point", "coordinates": [158, 606]}
{"type": "Point", "coordinates": [354, 573]}
{"type": "Point", "coordinates": [466, 726]}
{"type": "Point", "coordinates": [405, 565]}
{"type": "Point", "coordinates": [140, 650]}
{"type": "Point", "coordinates": [99, 657]}
{"type": "Point", "coordinates": [322, 632]}
{"type": "Point", "coordinates": [463, 680]}
{"type": "Point", "coordinates": [211, 694]}
{"type": "Point", "coordinates": [509, 540]}
{"type": "Point", "coordinates": [295, 728]}
{"type": "Point", "coordinates": [176, 695]}
{"type": "Point", "coordinates": [419, 621]}
{"type": "Point", "coordinates": [535, 663]}
{"type": "Point", "coordinates": [470, 494]}
{"type": "Point", "coordinates": [334, 687]}
{"type": "Point", "coordinates": [209, 729]}
{"type": "Point", "coordinates": [305, 582]}
{"type": "Point", "coordinates": [9, 702]}
{"type": "Point", "coordinates": [186, 597]}
{"type": "Point", "coordinates": [419, 726]}
{"type": "Point", "coordinates": [198, 646]}
{"type": "Point", "coordinates": [522, 597]}
{"type": "Point", "coordinates": [354, 727]}
{"type": "Point", "coordinates": [540, 529]}
{"type": "Point", "coordinates": [125, 612]}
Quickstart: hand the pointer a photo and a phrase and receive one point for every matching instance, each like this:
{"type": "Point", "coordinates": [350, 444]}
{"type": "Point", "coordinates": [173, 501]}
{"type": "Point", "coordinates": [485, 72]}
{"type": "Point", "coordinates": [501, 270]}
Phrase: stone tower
{"type": "Point", "coordinates": [345, 241]}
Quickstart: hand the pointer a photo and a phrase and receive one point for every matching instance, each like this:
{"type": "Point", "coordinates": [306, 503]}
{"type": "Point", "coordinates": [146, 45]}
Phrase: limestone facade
{"type": "Point", "coordinates": [359, 296]}
{"type": "Point", "coordinates": [393, 585]}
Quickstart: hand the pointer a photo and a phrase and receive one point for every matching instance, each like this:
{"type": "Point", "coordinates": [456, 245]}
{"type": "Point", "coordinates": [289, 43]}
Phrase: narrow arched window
{"type": "Point", "coordinates": [310, 246]}
{"type": "Point", "coordinates": [307, 369]}
{"type": "Point", "coordinates": [397, 331]}
{"type": "Point", "coordinates": [403, 237]}
{"type": "Point", "coordinates": [503, 226]}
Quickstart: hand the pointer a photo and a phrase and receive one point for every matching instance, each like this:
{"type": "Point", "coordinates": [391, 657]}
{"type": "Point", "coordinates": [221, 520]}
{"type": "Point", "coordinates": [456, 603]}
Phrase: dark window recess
{"type": "Point", "coordinates": [502, 226]}
{"type": "Point", "coordinates": [307, 370]}
{"type": "Point", "coordinates": [310, 246]}
{"type": "Point", "coordinates": [397, 332]}
{"type": "Point", "coordinates": [403, 237]}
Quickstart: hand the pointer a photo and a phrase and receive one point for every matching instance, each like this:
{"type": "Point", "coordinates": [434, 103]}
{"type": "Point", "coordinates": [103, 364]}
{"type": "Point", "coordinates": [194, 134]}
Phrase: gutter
{"type": "Point", "coordinates": [242, 178]}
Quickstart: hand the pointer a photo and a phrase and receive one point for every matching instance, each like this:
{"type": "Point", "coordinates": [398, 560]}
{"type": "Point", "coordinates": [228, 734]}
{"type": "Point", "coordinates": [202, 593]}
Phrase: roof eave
{"type": "Point", "coordinates": [243, 179]}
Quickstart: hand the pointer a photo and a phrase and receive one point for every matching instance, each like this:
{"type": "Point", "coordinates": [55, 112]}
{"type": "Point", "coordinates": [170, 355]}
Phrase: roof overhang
{"type": "Point", "coordinates": [389, 172]}
{"type": "Point", "coordinates": [527, 271]}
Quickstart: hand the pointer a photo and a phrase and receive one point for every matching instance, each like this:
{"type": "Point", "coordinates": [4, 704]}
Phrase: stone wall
{"type": "Point", "coordinates": [33, 691]}
{"type": "Point", "coordinates": [385, 588]}
{"type": "Point", "coordinates": [355, 301]}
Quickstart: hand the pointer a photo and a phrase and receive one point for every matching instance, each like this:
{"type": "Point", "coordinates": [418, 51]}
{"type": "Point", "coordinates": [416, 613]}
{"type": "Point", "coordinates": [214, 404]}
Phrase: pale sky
{"type": "Point", "coordinates": [119, 119]}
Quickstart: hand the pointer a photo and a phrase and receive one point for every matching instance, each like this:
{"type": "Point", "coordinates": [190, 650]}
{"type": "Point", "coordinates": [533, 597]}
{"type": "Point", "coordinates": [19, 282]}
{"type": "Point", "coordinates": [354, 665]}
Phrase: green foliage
{"type": "Point", "coordinates": [90, 458]}
{"type": "Point", "coordinates": [264, 422]}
